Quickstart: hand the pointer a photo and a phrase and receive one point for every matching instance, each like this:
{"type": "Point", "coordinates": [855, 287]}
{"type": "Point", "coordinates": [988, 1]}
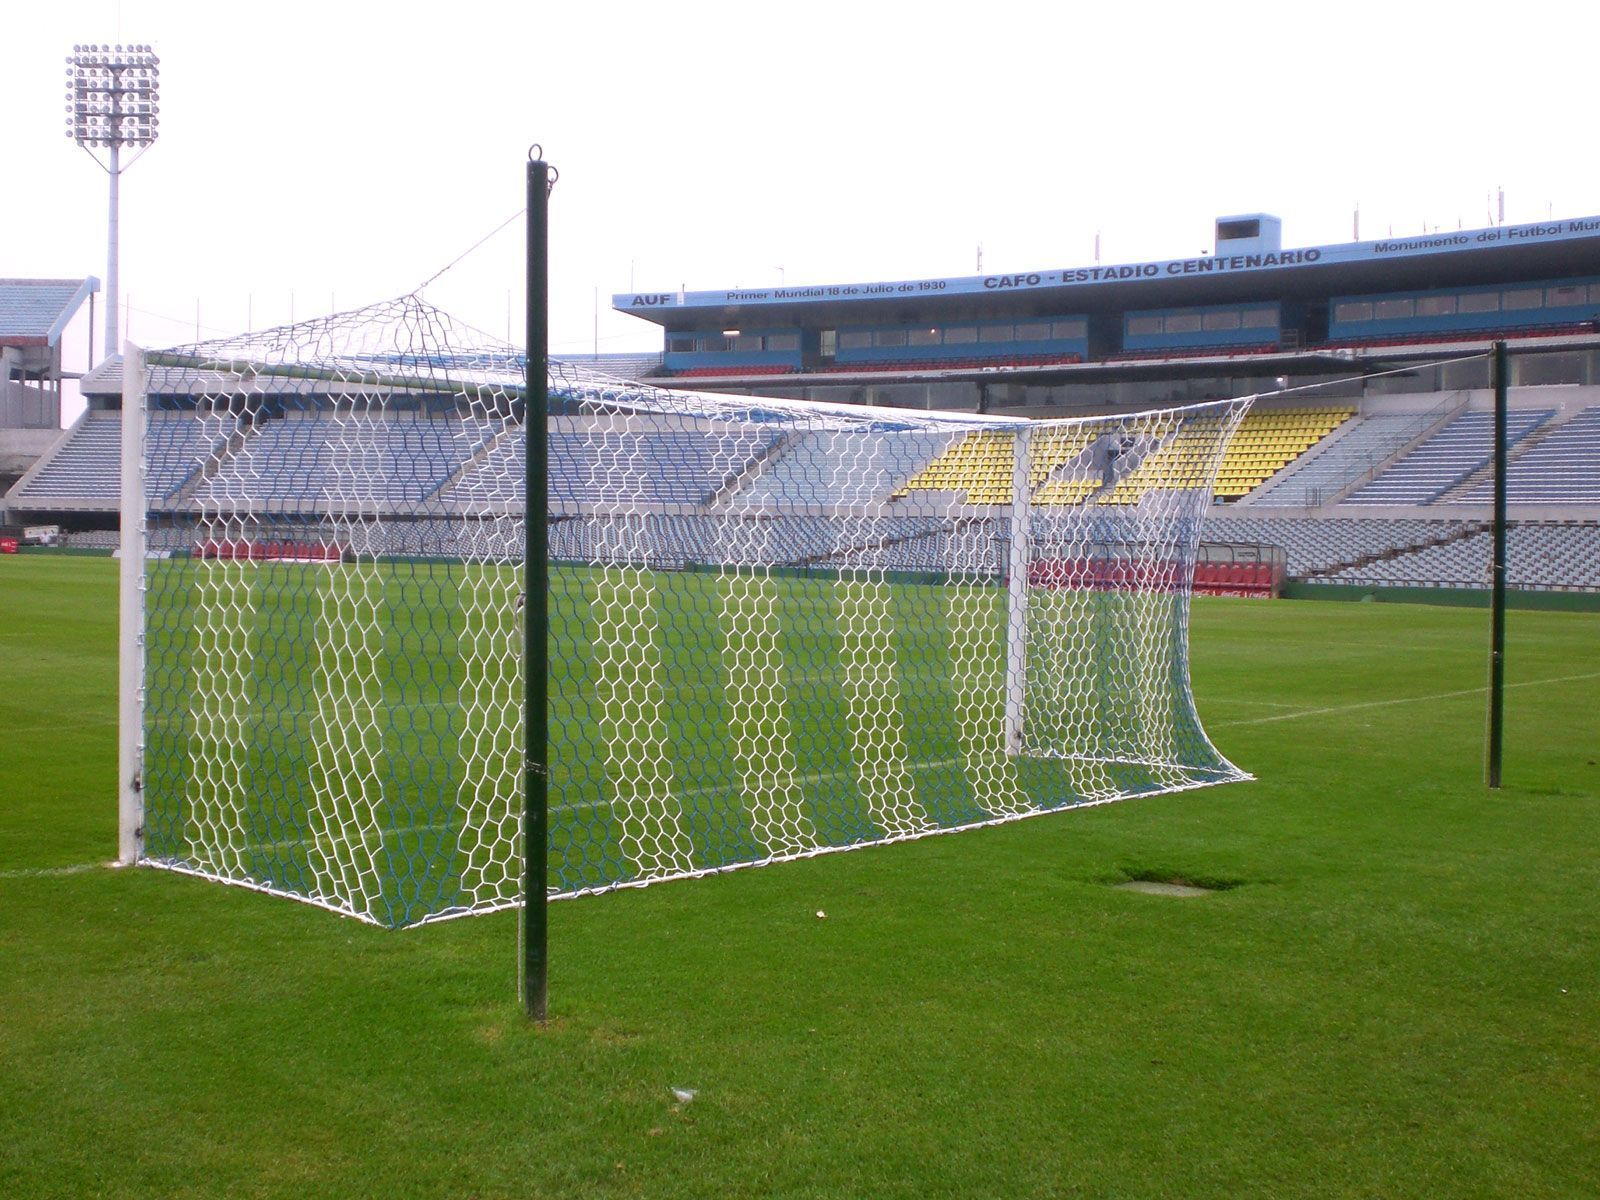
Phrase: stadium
{"type": "Point", "coordinates": [1364, 465]}
{"type": "Point", "coordinates": [839, 566]}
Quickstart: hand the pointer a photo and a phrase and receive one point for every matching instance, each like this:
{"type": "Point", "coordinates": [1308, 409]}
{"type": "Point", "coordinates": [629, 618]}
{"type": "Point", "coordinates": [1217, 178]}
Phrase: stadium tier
{"type": "Point", "coordinates": [84, 469]}
{"type": "Point", "coordinates": [1355, 451]}
{"type": "Point", "coordinates": [294, 460]}
{"type": "Point", "coordinates": [1445, 459]}
{"type": "Point", "coordinates": [1563, 468]}
{"type": "Point", "coordinates": [788, 476]}
{"type": "Point", "coordinates": [1269, 440]}
{"type": "Point", "coordinates": [1315, 545]}
{"type": "Point", "coordinates": [979, 465]}
{"type": "Point", "coordinates": [179, 450]}
{"type": "Point", "coordinates": [805, 468]}
{"type": "Point", "coordinates": [480, 480]}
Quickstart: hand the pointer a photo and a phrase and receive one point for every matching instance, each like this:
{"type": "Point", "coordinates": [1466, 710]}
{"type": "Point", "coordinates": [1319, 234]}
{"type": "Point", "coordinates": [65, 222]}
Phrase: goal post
{"type": "Point", "coordinates": [130, 611]}
{"type": "Point", "coordinates": [1017, 593]}
{"type": "Point", "coordinates": [534, 929]}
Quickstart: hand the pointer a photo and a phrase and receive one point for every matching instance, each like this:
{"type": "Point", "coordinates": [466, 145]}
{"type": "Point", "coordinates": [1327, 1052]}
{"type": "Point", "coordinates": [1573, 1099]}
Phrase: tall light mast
{"type": "Point", "coordinates": [112, 94]}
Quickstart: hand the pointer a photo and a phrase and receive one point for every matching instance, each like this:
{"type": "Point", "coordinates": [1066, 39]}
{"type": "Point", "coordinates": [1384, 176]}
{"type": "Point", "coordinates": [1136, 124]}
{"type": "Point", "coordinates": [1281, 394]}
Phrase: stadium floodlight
{"type": "Point", "coordinates": [113, 95]}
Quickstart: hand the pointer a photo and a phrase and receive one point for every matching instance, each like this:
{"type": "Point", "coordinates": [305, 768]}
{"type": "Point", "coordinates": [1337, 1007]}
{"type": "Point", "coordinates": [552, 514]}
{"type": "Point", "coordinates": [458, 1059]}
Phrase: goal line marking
{"type": "Point", "coordinates": [47, 872]}
{"type": "Point", "coordinates": [1342, 708]}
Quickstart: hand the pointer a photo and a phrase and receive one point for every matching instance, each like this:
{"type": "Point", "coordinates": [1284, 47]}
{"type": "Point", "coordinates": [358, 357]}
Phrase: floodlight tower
{"type": "Point", "coordinates": [111, 103]}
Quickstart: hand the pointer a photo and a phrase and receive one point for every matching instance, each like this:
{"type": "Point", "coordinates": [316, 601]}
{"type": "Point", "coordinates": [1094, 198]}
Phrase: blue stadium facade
{"type": "Point", "coordinates": [1206, 325]}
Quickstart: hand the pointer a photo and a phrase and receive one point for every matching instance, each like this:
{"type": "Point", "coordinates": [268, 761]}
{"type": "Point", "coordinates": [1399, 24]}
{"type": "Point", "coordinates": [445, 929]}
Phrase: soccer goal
{"type": "Point", "coordinates": [371, 562]}
{"type": "Point", "coordinates": [774, 629]}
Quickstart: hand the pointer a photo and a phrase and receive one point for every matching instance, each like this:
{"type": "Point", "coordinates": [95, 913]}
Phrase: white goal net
{"type": "Point", "coordinates": [775, 629]}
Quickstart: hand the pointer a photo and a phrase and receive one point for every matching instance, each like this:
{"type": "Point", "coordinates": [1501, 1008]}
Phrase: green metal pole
{"type": "Point", "coordinates": [1497, 618]}
{"type": "Point", "coordinates": [535, 930]}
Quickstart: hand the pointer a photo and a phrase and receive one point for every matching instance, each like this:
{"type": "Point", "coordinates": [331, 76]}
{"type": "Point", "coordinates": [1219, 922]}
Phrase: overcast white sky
{"type": "Point", "coordinates": [337, 152]}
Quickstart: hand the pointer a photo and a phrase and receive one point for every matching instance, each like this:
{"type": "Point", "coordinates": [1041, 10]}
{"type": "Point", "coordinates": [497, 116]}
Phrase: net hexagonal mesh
{"type": "Point", "coordinates": [775, 629]}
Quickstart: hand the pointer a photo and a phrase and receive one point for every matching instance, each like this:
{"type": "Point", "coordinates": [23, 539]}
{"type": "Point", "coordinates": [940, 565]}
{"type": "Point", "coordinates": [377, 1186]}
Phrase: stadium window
{"type": "Point", "coordinates": [1522, 298]}
{"type": "Point", "coordinates": [1069, 329]}
{"type": "Point", "coordinates": [1034, 331]}
{"type": "Point", "coordinates": [855, 339]}
{"type": "Point", "coordinates": [1258, 318]}
{"type": "Point", "coordinates": [1184, 322]}
{"type": "Point", "coordinates": [680, 343]}
{"type": "Point", "coordinates": [889, 337]}
{"type": "Point", "coordinates": [1478, 302]}
{"type": "Point", "coordinates": [922, 337]}
{"type": "Point", "coordinates": [713, 343]}
{"type": "Point", "coordinates": [960, 335]}
{"type": "Point", "coordinates": [1353, 310]}
{"type": "Point", "coordinates": [783, 341]}
{"type": "Point", "coordinates": [995, 333]}
{"type": "Point", "coordinates": [1215, 321]}
{"type": "Point", "coordinates": [1394, 310]}
{"type": "Point", "coordinates": [1594, 293]}
{"type": "Point", "coordinates": [1564, 297]}
{"type": "Point", "coordinates": [827, 342]}
{"type": "Point", "coordinates": [1436, 306]}
{"type": "Point", "coordinates": [747, 342]}
{"type": "Point", "coordinates": [1143, 326]}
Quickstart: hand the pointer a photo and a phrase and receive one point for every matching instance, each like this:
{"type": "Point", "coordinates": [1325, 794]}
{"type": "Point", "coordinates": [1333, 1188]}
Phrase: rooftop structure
{"type": "Point", "coordinates": [1251, 311]}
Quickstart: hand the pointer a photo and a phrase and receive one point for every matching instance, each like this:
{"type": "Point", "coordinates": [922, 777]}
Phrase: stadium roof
{"type": "Point", "coordinates": [1451, 258]}
{"type": "Point", "coordinates": [35, 312]}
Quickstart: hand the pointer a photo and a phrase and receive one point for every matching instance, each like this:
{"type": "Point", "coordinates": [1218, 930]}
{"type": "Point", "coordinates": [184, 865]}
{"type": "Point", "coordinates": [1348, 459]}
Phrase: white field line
{"type": "Point", "coordinates": [401, 831]}
{"type": "Point", "coordinates": [322, 708]}
{"type": "Point", "coordinates": [1343, 708]}
{"type": "Point", "coordinates": [1251, 703]}
{"type": "Point", "coordinates": [57, 726]}
{"type": "Point", "coordinates": [932, 764]}
{"type": "Point", "coordinates": [46, 872]}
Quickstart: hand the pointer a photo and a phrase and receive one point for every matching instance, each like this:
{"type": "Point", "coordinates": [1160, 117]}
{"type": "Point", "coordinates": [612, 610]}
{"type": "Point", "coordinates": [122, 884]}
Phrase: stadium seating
{"type": "Point", "coordinates": [968, 362]}
{"type": "Point", "coordinates": [1315, 545]}
{"type": "Point", "coordinates": [177, 449]}
{"type": "Point", "coordinates": [1363, 446]}
{"type": "Point", "coordinates": [1553, 555]}
{"type": "Point", "coordinates": [87, 467]}
{"type": "Point", "coordinates": [1235, 350]}
{"type": "Point", "coordinates": [498, 474]}
{"type": "Point", "coordinates": [1268, 440]}
{"type": "Point", "coordinates": [1568, 329]}
{"type": "Point", "coordinates": [1236, 579]}
{"type": "Point", "coordinates": [624, 464]}
{"type": "Point", "coordinates": [1564, 468]}
{"type": "Point", "coordinates": [378, 458]}
{"type": "Point", "coordinates": [720, 372]}
{"type": "Point", "coordinates": [979, 465]}
{"type": "Point", "coordinates": [806, 469]}
{"type": "Point", "coordinates": [681, 475]}
{"type": "Point", "coordinates": [1445, 459]}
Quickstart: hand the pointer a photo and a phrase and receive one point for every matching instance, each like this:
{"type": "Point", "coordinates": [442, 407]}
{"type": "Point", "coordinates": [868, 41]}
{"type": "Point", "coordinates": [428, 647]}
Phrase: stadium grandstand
{"type": "Point", "coordinates": [34, 317]}
{"type": "Point", "coordinates": [1366, 462]}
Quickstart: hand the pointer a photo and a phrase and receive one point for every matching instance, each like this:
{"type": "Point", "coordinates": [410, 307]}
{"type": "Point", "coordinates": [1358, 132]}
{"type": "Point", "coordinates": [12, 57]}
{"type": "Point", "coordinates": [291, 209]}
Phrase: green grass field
{"type": "Point", "coordinates": [1396, 994]}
